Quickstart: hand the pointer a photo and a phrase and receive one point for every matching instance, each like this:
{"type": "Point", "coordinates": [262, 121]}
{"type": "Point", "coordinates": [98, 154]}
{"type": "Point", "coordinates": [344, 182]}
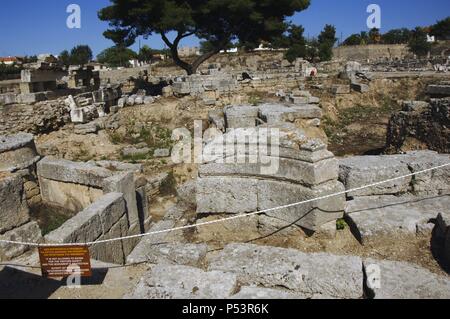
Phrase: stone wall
{"type": "Point", "coordinates": [358, 171]}
{"type": "Point", "coordinates": [371, 52]}
{"type": "Point", "coordinates": [40, 118]}
{"type": "Point", "coordinates": [420, 125]}
{"type": "Point", "coordinates": [88, 187]}
{"type": "Point", "coordinates": [15, 221]}
{"type": "Point", "coordinates": [305, 170]}
{"type": "Point", "coordinates": [106, 218]}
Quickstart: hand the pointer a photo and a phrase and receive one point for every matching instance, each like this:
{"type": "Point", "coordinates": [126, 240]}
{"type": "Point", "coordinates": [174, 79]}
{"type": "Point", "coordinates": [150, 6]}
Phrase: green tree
{"type": "Point", "coordinates": [116, 56]}
{"type": "Point", "coordinates": [396, 36]}
{"type": "Point", "coordinates": [364, 38]}
{"type": "Point", "coordinates": [418, 43]}
{"type": "Point", "coordinates": [80, 55]}
{"type": "Point", "coordinates": [218, 22]}
{"type": "Point", "coordinates": [145, 54]}
{"type": "Point", "coordinates": [441, 30]}
{"type": "Point", "coordinates": [296, 43]}
{"type": "Point", "coordinates": [354, 39]}
{"type": "Point", "coordinates": [374, 36]}
{"type": "Point", "coordinates": [326, 40]}
{"type": "Point", "coordinates": [64, 58]}
{"type": "Point", "coordinates": [312, 50]}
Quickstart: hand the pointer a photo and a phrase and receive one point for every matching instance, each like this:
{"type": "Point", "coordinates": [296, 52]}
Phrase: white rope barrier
{"type": "Point", "coordinates": [223, 219]}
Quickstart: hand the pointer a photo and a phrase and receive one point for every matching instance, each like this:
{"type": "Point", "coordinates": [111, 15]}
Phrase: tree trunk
{"type": "Point", "coordinates": [189, 68]}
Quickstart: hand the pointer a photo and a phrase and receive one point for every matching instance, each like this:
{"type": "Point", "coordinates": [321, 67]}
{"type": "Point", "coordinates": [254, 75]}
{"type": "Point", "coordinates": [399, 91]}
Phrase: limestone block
{"type": "Point", "coordinates": [287, 169]}
{"type": "Point", "coordinates": [17, 152]}
{"type": "Point", "coordinates": [30, 233]}
{"type": "Point", "coordinates": [372, 217]}
{"type": "Point", "coordinates": [72, 172]}
{"type": "Point", "coordinates": [241, 116]}
{"type": "Point", "coordinates": [433, 182]}
{"type": "Point", "coordinates": [308, 274]}
{"type": "Point", "coordinates": [111, 252]}
{"type": "Point", "coordinates": [359, 171]}
{"type": "Point", "coordinates": [340, 89]}
{"type": "Point", "coordinates": [226, 195]}
{"type": "Point", "coordinates": [14, 210]}
{"type": "Point", "coordinates": [401, 280]}
{"type": "Point", "coordinates": [123, 182]}
{"type": "Point", "coordinates": [169, 254]}
{"type": "Point", "coordinates": [183, 282]}
{"type": "Point", "coordinates": [309, 215]}
{"type": "Point", "coordinates": [71, 196]}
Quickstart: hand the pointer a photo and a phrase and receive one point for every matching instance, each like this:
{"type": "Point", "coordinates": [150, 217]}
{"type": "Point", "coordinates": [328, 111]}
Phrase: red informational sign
{"type": "Point", "coordinates": [64, 261]}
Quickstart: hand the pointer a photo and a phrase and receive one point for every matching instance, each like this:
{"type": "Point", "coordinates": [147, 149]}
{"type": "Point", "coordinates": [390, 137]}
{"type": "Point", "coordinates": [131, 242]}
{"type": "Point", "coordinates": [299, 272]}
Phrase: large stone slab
{"type": "Point", "coordinates": [241, 116]}
{"type": "Point", "coordinates": [308, 274]}
{"type": "Point", "coordinates": [14, 210]}
{"type": "Point", "coordinates": [93, 222]}
{"type": "Point", "coordinates": [123, 182]}
{"type": "Point", "coordinates": [226, 195]}
{"type": "Point", "coordinates": [360, 171]}
{"type": "Point", "coordinates": [74, 197]}
{"type": "Point", "coordinates": [434, 182]}
{"type": "Point", "coordinates": [30, 233]}
{"type": "Point", "coordinates": [183, 282]}
{"type": "Point", "coordinates": [265, 293]}
{"type": "Point", "coordinates": [169, 254]}
{"type": "Point", "coordinates": [17, 152]}
{"type": "Point", "coordinates": [400, 280]}
{"type": "Point", "coordinates": [287, 170]}
{"type": "Point", "coordinates": [310, 215]}
{"type": "Point", "coordinates": [376, 216]}
{"type": "Point", "coordinates": [276, 113]}
{"type": "Point", "coordinates": [72, 172]}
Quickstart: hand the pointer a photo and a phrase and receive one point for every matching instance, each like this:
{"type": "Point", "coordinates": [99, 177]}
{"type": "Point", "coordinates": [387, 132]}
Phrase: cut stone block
{"type": "Point", "coordinates": [241, 116]}
{"type": "Point", "coordinates": [389, 216]}
{"type": "Point", "coordinates": [308, 274]}
{"type": "Point", "coordinates": [72, 172]}
{"type": "Point", "coordinates": [17, 152]}
{"type": "Point", "coordinates": [359, 171]}
{"type": "Point", "coordinates": [310, 215]}
{"type": "Point", "coordinates": [401, 280]}
{"type": "Point", "coordinates": [169, 254]}
{"type": "Point", "coordinates": [226, 195]}
{"type": "Point", "coordinates": [30, 233]}
{"type": "Point", "coordinates": [14, 210]}
{"type": "Point", "coordinates": [183, 282]}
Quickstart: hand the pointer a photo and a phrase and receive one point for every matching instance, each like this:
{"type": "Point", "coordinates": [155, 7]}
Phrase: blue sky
{"type": "Point", "coordinates": [32, 27]}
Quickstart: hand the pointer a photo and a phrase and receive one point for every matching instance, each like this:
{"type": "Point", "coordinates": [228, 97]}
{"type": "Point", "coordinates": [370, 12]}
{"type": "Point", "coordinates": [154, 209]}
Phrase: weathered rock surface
{"type": "Point", "coordinates": [400, 280]}
{"type": "Point", "coordinates": [427, 126]}
{"type": "Point", "coordinates": [376, 216]}
{"type": "Point", "coordinates": [183, 282]}
{"type": "Point", "coordinates": [72, 172]}
{"type": "Point", "coordinates": [308, 274]}
{"type": "Point", "coordinates": [265, 293]}
{"type": "Point", "coordinates": [17, 152]}
{"type": "Point", "coordinates": [359, 171]}
{"type": "Point", "coordinates": [14, 210]}
{"type": "Point", "coordinates": [29, 233]}
{"type": "Point", "coordinates": [169, 254]}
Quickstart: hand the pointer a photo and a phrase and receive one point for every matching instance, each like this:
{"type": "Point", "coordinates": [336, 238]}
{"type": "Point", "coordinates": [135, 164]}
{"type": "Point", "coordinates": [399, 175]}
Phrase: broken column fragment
{"type": "Point", "coordinates": [299, 170]}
